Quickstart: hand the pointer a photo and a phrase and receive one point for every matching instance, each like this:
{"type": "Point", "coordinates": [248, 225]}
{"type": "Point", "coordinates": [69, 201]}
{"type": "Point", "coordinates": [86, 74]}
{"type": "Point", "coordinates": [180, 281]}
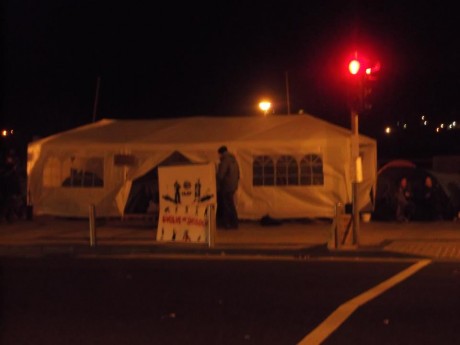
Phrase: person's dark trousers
{"type": "Point", "coordinates": [229, 215]}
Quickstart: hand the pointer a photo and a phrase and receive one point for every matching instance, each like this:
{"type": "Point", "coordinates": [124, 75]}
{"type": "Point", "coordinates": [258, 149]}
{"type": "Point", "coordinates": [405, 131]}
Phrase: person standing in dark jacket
{"type": "Point", "coordinates": [405, 206]}
{"type": "Point", "coordinates": [228, 175]}
{"type": "Point", "coordinates": [428, 201]}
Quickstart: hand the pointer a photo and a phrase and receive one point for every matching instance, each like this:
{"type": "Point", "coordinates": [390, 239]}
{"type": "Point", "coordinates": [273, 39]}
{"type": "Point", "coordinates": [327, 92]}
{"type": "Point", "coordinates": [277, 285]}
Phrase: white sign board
{"type": "Point", "coordinates": [186, 191]}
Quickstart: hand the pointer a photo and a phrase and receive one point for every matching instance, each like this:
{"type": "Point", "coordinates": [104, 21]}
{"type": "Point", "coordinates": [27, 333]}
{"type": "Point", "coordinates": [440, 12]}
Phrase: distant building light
{"type": "Point", "coordinates": [437, 130]}
{"type": "Point", "coordinates": [425, 123]}
{"type": "Point", "coordinates": [4, 133]}
{"type": "Point", "coordinates": [388, 130]}
{"type": "Point", "coordinates": [441, 125]}
{"type": "Point", "coordinates": [423, 117]}
{"type": "Point", "coordinates": [454, 123]}
{"type": "Point", "coordinates": [405, 126]}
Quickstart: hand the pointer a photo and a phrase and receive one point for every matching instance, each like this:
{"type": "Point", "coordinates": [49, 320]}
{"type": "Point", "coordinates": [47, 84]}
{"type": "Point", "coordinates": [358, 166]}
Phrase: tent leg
{"type": "Point", "coordinates": [92, 225]}
{"type": "Point", "coordinates": [211, 226]}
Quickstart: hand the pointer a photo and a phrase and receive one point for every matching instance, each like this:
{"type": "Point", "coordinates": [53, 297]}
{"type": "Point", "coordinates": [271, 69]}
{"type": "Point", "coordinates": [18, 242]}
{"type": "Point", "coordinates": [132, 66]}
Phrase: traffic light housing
{"type": "Point", "coordinates": [362, 77]}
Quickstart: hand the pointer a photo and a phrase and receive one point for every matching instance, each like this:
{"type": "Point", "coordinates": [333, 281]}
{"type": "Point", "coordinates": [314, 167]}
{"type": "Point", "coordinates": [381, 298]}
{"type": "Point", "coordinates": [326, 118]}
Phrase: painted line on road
{"type": "Point", "coordinates": [178, 256]}
{"type": "Point", "coordinates": [237, 257]}
{"type": "Point", "coordinates": [333, 321]}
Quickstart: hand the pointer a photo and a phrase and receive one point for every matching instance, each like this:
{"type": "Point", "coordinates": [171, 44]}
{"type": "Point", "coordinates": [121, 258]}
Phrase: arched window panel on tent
{"type": "Point", "coordinates": [311, 170]}
{"type": "Point", "coordinates": [80, 172]}
{"type": "Point", "coordinates": [287, 171]}
{"type": "Point", "coordinates": [263, 171]}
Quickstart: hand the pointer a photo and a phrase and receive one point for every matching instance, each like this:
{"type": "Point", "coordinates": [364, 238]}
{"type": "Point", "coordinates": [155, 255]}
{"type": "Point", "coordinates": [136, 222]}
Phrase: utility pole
{"type": "Point", "coordinates": [287, 93]}
{"type": "Point", "coordinates": [96, 98]}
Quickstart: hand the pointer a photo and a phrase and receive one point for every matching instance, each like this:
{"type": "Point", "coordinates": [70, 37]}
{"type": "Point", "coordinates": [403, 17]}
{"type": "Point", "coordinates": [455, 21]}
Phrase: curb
{"type": "Point", "coordinates": [105, 251]}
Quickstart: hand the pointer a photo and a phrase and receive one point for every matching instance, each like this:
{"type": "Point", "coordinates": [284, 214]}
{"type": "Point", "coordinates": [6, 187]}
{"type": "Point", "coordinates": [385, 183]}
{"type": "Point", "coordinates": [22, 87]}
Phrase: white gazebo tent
{"type": "Point", "coordinates": [292, 166]}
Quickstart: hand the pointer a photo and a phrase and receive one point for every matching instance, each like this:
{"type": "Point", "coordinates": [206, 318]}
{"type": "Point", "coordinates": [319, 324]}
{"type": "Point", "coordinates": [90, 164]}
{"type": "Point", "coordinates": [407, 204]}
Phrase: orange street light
{"type": "Point", "coordinates": [265, 106]}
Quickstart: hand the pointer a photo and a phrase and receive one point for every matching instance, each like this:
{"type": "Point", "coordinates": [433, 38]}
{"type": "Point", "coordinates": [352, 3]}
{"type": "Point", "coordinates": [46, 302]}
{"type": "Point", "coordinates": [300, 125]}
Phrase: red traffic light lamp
{"type": "Point", "coordinates": [362, 74]}
{"type": "Point", "coordinates": [354, 66]}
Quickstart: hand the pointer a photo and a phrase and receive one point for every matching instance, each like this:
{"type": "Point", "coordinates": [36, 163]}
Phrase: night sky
{"type": "Point", "coordinates": [175, 59]}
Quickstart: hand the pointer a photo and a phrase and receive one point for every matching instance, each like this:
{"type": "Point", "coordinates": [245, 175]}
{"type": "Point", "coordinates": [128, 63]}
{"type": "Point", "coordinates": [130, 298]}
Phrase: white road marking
{"type": "Point", "coordinates": [333, 321]}
{"type": "Point", "coordinates": [236, 257]}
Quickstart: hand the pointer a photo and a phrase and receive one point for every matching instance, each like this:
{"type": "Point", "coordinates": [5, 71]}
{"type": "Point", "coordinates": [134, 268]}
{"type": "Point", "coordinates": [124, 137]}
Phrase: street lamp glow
{"type": "Point", "coordinates": [388, 130]}
{"type": "Point", "coordinates": [265, 106]}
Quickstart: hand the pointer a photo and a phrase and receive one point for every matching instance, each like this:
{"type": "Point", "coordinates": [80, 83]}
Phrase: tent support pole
{"type": "Point", "coordinates": [211, 225]}
{"type": "Point", "coordinates": [92, 225]}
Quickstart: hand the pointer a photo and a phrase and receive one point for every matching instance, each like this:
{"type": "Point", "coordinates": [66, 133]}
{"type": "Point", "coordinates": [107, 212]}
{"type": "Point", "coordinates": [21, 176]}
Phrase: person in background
{"type": "Point", "coordinates": [405, 207]}
{"type": "Point", "coordinates": [228, 175]}
{"type": "Point", "coordinates": [428, 201]}
{"type": "Point", "coordinates": [10, 190]}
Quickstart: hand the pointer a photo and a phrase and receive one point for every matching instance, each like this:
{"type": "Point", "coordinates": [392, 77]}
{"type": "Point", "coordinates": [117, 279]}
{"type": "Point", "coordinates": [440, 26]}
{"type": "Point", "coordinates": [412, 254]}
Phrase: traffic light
{"type": "Point", "coordinates": [362, 77]}
{"type": "Point", "coordinates": [370, 77]}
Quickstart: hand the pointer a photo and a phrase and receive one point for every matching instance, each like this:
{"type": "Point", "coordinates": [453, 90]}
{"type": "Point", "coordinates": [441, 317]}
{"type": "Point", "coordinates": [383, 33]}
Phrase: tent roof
{"type": "Point", "coordinates": [397, 163]}
{"type": "Point", "coordinates": [200, 130]}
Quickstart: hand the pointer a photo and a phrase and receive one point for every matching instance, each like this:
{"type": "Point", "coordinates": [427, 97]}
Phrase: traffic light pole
{"type": "Point", "coordinates": [359, 91]}
{"type": "Point", "coordinates": [355, 179]}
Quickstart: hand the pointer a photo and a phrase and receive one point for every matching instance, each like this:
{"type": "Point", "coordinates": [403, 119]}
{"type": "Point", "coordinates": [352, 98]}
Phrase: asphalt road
{"type": "Point", "coordinates": [62, 300]}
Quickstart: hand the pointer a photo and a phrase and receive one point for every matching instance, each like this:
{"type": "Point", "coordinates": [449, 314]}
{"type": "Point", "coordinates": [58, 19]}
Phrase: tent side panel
{"type": "Point", "coordinates": [300, 200]}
